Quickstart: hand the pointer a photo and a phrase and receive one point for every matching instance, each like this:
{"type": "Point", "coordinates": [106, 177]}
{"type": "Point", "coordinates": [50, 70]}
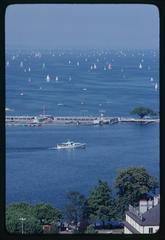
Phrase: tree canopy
{"type": "Point", "coordinates": [76, 209]}
{"type": "Point", "coordinates": [100, 203]}
{"type": "Point", "coordinates": [15, 212]}
{"type": "Point", "coordinates": [131, 184]}
{"type": "Point", "coordinates": [34, 217]}
{"type": "Point", "coordinates": [142, 111]}
{"type": "Point", "coordinates": [47, 214]}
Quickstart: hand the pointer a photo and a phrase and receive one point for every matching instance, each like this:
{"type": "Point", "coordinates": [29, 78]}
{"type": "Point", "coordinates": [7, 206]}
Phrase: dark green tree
{"type": "Point", "coordinates": [76, 209]}
{"type": "Point", "coordinates": [131, 184]}
{"type": "Point", "coordinates": [47, 214]}
{"type": "Point", "coordinates": [101, 203]}
{"type": "Point", "coordinates": [142, 111]}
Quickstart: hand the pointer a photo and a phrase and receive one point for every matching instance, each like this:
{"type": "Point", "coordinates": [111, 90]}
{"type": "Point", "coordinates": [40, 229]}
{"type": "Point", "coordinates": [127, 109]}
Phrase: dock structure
{"type": "Point", "coordinates": [47, 119]}
{"type": "Point", "coordinates": [139, 120]}
{"type": "Point", "coordinates": [85, 120]}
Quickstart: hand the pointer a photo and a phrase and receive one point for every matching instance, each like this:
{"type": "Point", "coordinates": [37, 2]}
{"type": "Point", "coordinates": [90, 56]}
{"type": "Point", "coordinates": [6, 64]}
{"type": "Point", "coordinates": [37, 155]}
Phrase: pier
{"type": "Point", "coordinates": [139, 120]}
{"type": "Point", "coordinates": [78, 120]}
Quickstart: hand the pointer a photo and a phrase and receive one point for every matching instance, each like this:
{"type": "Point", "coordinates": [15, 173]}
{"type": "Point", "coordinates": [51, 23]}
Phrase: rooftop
{"type": "Point", "coordinates": [149, 218]}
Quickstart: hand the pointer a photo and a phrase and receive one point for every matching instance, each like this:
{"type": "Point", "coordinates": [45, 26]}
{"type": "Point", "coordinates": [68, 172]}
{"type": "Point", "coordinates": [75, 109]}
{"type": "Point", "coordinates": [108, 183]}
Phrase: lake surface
{"type": "Point", "coordinates": [78, 83]}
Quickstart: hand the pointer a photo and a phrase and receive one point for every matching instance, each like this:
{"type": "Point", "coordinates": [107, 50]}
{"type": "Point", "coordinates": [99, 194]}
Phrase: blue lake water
{"type": "Point", "coordinates": [34, 173]}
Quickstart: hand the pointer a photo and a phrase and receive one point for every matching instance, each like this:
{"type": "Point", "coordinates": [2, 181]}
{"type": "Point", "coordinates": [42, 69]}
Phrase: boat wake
{"type": "Point", "coordinates": [27, 149]}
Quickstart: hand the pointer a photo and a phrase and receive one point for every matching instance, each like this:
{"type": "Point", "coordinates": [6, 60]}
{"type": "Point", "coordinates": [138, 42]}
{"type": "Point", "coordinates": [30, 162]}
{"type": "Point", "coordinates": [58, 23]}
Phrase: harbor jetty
{"type": "Point", "coordinates": [78, 120]}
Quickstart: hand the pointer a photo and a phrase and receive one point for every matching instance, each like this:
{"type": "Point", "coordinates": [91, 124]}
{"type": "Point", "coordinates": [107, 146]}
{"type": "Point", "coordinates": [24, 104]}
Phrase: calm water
{"type": "Point", "coordinates": [79, 83]}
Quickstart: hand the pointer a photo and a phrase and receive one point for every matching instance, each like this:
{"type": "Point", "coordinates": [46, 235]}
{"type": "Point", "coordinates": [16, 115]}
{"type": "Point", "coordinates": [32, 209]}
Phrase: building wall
{"type": "Point", "coordinates": [155, 229]}
{"type": "Point", "coordinates": [139, 228]}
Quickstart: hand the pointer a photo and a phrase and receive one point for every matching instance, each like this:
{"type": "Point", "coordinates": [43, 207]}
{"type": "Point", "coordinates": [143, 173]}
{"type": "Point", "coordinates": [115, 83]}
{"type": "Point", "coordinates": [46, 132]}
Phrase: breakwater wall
{"type": "Point", "coordinates": [90, 120]}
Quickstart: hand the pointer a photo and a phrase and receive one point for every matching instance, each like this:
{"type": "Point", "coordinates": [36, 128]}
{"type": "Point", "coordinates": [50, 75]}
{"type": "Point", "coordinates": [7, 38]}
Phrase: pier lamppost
{"type": "Point", "coordinates": [22, 221]}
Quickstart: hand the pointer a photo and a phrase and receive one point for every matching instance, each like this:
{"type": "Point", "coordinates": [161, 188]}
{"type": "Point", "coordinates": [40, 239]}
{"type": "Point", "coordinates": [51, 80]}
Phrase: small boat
{"type": "Point", "coordinates": [109, 66]}
{"type": "Point", "coordinates": [8, 109]}
{"type": "Point", "coordinates": [70, 145]}
{"type": "Point", "coordinates": [48, 78]}
{"type": "Point", "coordinates": [156, 86]}
{"type": "Point", "coordinates": [94, 66]}
{"type": "Point", "coordinates": [21, 64]}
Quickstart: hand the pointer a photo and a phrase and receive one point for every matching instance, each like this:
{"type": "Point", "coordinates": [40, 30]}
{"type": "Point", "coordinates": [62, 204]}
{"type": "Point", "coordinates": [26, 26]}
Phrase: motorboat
{"type": "Point", "coordinates": [71, 145]}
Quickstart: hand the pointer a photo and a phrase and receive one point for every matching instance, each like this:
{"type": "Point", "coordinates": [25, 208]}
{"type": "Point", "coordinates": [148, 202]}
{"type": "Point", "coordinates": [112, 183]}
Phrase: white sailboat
{"type": "Point", "coordinates": [48, 78]}
{"type": "Point", "coordinates": [109, 66]}
{"type": "Point", "coordinates": [21, 64]}
{"type": "Point", "coordinates": [156, 86]}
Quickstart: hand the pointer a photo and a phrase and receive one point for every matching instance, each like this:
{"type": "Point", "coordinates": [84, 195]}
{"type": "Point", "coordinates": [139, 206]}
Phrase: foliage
{"type": "Point", "coordinates": [142, 111]}
{"type": "Point", "coordinates": [100, 203]}
{"type": "Point", "coordinates": [91, 230]}
{"type": "Point", "coordinates": [76, 209]}
{"type": "Point", "coordinates": [22, 210]}
{"type": "Point", "coordinates": [131, 184]}
{"type": "Point", "coordinates": [35, 216]}
{"type": "Point", "coordinates": [47, 214]}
